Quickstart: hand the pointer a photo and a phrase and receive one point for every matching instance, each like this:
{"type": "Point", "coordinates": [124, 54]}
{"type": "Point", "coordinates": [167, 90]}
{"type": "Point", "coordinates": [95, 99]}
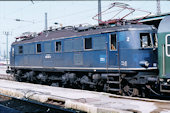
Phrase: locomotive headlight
{"type": "Point", "coordinates": [161, 80]}
{"type": "Point", "coordinates": [144, 63]}
{"type": "Point", "coordinates": [168, 80]}
{"type": "Point", "coordinates": [154, 64]}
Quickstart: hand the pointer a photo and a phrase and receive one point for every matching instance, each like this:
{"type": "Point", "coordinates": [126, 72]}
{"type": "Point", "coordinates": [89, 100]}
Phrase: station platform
{"type": "Point", "coordinates": [88, 101]}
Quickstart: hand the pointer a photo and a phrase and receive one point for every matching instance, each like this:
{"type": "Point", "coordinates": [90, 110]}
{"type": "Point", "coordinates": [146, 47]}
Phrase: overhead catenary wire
{"type": "Point", "coordinates": [50, 19]}
{"type": "Point", "coordinates": [58, 19]}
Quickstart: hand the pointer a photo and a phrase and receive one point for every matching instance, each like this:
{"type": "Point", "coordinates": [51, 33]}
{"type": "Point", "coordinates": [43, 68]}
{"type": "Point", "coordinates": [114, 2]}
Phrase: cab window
{"type": "Point", "coordinates": [146, 41]}
{"type": "Point", "coordinates": [168, 45]}
{"type": "Point", "coordinates": [113, 42]}
{"type": "Point", "coordinates": [155, 40]}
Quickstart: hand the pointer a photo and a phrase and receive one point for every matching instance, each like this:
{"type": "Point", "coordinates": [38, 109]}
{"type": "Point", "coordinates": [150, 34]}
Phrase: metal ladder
{"type": "Point", "coordinates": [114, 82]}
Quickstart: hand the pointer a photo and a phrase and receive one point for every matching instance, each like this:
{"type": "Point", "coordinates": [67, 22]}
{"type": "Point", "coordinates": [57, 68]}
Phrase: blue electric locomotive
{"type": "Point", "coordinates": [121, 59]}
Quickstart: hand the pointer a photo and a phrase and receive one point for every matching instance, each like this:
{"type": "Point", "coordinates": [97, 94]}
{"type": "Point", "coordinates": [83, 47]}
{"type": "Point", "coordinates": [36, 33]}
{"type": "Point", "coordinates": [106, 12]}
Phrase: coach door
{"type": "Point", "coordinates": [113, 50]}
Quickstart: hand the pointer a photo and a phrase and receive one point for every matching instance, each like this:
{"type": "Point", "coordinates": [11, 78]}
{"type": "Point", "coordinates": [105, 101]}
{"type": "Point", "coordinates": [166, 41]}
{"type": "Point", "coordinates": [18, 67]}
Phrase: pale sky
{"type": "Point", "coordinates": [64, 12]}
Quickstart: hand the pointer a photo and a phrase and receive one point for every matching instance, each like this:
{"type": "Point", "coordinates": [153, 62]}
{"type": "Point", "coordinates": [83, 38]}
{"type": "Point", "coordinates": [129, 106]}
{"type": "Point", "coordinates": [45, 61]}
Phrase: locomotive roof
{"type": "Point", "coordinates": [68, 33]}
{"type": "Point", "coordinates": [164, 25]}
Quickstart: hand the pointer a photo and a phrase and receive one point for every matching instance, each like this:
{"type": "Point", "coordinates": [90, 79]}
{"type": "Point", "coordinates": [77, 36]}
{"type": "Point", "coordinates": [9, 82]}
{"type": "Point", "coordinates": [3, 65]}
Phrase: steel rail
{"type": "Point", "coordinates": [56, 107]}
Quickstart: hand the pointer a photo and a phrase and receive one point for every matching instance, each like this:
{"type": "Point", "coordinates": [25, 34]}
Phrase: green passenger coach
{"type": "Point", "coordinates": [164, 54]}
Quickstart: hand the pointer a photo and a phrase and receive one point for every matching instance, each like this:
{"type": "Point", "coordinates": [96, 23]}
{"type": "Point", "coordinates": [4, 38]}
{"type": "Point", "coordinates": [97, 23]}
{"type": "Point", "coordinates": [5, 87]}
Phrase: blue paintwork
{"type": "Point", "coordinates": [129, 51]}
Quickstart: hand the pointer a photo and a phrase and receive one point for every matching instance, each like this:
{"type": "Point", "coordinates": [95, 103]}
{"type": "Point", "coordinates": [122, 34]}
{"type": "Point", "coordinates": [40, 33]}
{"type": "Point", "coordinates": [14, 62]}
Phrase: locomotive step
{"type": "Point", "coordinates": [113, 82]}
{"type": "Point", "coordinates": [114, 89]}
{"type": "Point", "coordinates": [113, 75]}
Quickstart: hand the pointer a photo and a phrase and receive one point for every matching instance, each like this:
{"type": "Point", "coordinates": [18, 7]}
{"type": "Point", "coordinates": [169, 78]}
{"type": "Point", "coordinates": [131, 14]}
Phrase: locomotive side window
{"type": "Point", "coordinates": [168, 45]}
{"type": "Point", "coordinates": [58, 46]}
{"type": "Point", "coordinates": [113, 42]}
{"type": "Point", "coordinates": [145, 40]}
{"type": "Point", "coordinates": [88, 43]}
{"type": "Point", "coordinates": [20, 49]}
{"type": "Point", "coordinates": [38, 48]}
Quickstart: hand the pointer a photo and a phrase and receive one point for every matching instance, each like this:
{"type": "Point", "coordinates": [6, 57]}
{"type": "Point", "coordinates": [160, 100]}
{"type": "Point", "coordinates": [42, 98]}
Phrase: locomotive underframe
{"type": "Point", "coordinates": [131, 83]}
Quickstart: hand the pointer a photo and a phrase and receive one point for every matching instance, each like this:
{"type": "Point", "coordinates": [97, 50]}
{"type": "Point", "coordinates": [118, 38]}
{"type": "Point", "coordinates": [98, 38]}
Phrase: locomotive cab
{"type": "Point", "coordinates": [134, 53]}
{"type": "Point", "coordinates": [134, 49]}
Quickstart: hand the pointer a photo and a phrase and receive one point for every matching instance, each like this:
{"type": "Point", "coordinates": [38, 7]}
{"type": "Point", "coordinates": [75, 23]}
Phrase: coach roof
{"type": "Point", "coordinates": [164, 25]}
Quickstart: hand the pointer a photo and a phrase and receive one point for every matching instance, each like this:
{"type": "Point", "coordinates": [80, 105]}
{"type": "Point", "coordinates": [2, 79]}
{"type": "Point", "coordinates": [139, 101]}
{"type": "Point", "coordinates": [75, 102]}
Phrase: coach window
{"type": "Point", "coordinates": [113, 42]}
{"type": "Point", "coordinates": [145, 40]}
{"type": "Point", "coordinates": [58, 46]}
{"type": "Point", "coordinates": [20, 49]}
{"type": "Point", "coordinates": [88, 43]}
{"type": "Point", "coordinates": [168, 45]}
{"type": "Point", "coordinates": [38, 48]}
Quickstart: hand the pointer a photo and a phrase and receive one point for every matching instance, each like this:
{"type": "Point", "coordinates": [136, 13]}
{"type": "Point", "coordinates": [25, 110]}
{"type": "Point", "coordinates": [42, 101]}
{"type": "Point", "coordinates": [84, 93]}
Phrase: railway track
{"type": "Point", "coordinates": [81, 100]}
{"type": "Point", "coordinates": [155, 105]}
{"type": "Point", "coordinates": [11, 104]}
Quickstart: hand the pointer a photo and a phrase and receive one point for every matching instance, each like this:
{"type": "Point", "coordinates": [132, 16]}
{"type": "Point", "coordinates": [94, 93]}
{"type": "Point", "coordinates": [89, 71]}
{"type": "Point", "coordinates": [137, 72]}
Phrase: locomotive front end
{"type": "Point", "coordinates": [138, 58]}
{"type": "Point", "coordinates": [138, 48]}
